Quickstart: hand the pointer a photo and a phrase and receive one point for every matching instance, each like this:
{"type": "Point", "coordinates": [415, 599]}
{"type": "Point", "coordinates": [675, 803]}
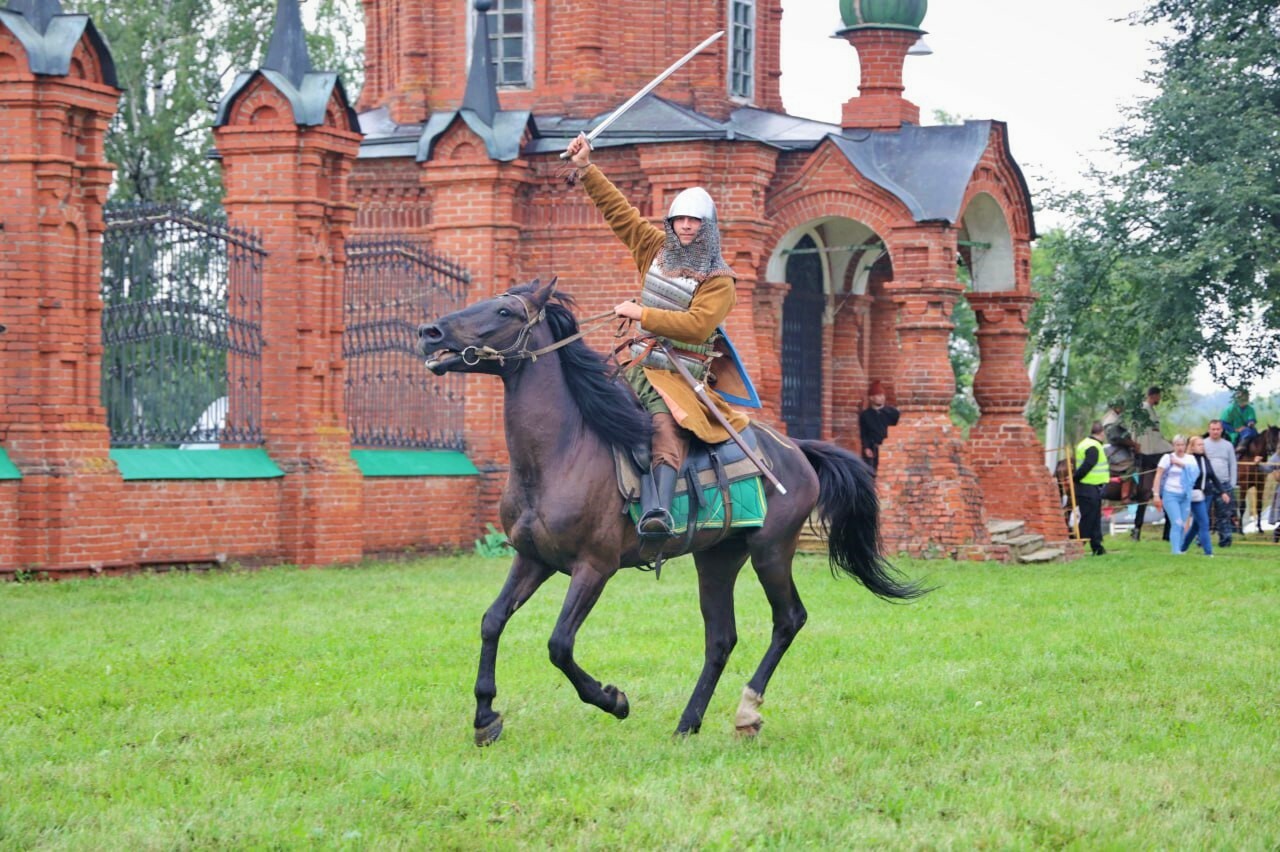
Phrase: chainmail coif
{"type": "Point", "coordinates": [699, 260]}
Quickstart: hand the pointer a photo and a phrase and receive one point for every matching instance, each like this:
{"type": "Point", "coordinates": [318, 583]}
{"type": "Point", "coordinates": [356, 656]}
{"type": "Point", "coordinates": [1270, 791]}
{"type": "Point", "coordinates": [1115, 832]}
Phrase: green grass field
{"type": "Point", "coordinates": [1126, 702]}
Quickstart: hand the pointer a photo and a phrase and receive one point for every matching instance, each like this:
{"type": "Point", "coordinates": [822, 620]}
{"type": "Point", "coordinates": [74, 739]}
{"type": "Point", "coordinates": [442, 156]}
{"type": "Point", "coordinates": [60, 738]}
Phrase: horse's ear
{"type": "Point", "coordinates": [541, 295]}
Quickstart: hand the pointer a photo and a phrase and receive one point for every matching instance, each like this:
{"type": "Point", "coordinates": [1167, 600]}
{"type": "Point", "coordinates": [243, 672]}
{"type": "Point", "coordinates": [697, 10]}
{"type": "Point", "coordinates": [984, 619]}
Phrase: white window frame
{"type": "Point", "coordinates": [742, 44]}
{"type": "Point", "coordinates": [496, 37]}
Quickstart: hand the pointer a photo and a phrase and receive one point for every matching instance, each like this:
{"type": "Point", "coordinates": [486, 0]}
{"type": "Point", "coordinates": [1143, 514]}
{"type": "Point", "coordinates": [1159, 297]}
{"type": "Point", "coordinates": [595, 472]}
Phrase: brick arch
{"type": "Point", "coordinates": [993, 268]}
{"type": "Point", "coordinates": [998, 177]}
{"type": "Point", "coordinates": [460, 144]}
{"type": "Point", "coordinates": [13, 56]}
{"type": "Point", "coordinates": [86, 64]}
{"type": "Point", "coordinates": [811, 197]}
{"type": "Point", "coordinates": [261, 104]}
{"type": "Point", "coordinates": [336, 110]}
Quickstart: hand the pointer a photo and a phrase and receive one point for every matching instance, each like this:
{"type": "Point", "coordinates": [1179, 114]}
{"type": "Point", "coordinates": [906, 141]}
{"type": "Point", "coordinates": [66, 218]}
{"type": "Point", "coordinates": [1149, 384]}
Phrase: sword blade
{"type": "Point", "coordinates": [649, 87]}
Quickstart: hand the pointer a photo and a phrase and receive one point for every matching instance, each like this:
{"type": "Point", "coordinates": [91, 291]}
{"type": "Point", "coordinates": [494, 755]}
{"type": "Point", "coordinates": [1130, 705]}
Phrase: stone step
{"type": "Point", "coordinates": [1025, 543]}
{"type": "Point", "coordinates": [1002, 530]}
{"type": "Point", "coordinates": [1044, 554]}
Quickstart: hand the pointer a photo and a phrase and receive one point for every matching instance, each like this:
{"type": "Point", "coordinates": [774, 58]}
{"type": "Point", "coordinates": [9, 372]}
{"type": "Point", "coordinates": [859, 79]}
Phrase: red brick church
{"type": "Point", "coordinates": [846, 241]}
{"type": "Point", "coordinates": [846, 238]}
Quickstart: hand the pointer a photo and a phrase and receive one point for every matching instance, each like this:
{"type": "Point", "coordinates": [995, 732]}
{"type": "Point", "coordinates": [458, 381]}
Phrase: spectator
{"type": "Point", "coordinates": [1176, 475]}
{"type": "Point", "coordinates": [1152, 443]}
{"type": "Point", "coordinates": [1091, 477]}
{"type": "Point", "coordinates": [1270, 466]}
{"type": "Point", "coordinates": [1122, 450]}
{"type": "Point", "coordinates": [1206, 483]}
{"type": "Point", "coordinates": [1222, 457]}
{"type": "Point", "coordinates": [1239, 420]}
{"type": "Point", "coordinates": [874, 423]}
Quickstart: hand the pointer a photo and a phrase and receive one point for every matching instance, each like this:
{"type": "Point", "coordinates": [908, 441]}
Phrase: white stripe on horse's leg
{"type": "Point", "coordinates": [748, 719]}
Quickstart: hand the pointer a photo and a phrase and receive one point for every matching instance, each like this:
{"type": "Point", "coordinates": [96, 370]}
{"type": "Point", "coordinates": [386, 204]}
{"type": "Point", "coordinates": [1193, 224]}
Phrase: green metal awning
{"type": "Point", "coordinates": [8, 470]}
{"type": "Point", "coordinates": [414, 463]}
{"type": "Point", "coordinates": [195, 464]}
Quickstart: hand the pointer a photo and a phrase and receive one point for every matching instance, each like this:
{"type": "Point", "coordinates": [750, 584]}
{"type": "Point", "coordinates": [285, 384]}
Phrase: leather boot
{"type": "Point", "coordinates": [656, 492]}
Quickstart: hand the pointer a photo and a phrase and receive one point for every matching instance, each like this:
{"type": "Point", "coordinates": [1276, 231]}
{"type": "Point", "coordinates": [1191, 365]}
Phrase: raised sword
{"type": "Point", "coordinates": [649, 87]}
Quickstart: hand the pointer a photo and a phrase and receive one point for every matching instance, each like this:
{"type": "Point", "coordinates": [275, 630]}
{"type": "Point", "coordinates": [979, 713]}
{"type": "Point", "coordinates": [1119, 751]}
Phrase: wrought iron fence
{"type": "Point", "coordinates": [181, 328]}
{"type": "Point", "coordinates": [393, 284]}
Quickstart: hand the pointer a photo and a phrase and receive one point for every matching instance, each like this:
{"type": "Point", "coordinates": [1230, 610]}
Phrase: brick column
{"type": "Point", "coordinates": [289, 183]}
{"type": "Point", "coordinates": [474, 221]}
{"type": "Point", "coordinates": [879, 104]}
{"type": "Point", "coordinates": [766, 315]}
{"type": "Point", "coordinates": [1005, 450]}
{"type": "Point", "coordinates": [932, 499]}
{"type": "Point", "coordinates": [54, 180]}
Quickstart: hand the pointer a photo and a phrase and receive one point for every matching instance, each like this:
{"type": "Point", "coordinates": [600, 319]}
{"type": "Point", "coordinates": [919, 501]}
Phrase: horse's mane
{"type": "Point", "coordinates": [609, 407]}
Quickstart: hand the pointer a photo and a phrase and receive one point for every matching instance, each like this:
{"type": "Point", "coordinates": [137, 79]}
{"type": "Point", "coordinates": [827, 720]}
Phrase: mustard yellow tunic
{"type": "Point", "coordinates": [711, 303]}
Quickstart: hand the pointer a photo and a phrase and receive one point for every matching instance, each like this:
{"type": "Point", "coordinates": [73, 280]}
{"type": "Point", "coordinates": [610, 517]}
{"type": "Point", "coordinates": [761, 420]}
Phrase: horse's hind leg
{"type": "Point", "coordinates": [772, 565]}
{"type": "Point", "coordinates": [525, 577]}
{"type": "Point", "coordinates": [717, 572]}
{"type": "Point", "coordinates": [585, 586]}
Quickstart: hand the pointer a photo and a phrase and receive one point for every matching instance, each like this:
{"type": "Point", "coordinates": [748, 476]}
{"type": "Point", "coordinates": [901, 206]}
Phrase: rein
{"type": "Point", "coordinates": [517, 351]}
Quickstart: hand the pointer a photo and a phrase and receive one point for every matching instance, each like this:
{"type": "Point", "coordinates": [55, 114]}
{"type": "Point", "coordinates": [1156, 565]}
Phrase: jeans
{"type": "Point", "coordinates": [1177, 508]}
{"type": "Point", "coordinates": [1200, 526]}
{"type": "Point", "coordinates": [1224, 514]}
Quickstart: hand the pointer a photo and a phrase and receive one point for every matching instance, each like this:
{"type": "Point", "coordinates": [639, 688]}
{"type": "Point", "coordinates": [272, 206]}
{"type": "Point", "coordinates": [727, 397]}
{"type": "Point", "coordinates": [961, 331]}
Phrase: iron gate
{"type": "Point", "coordinates": [802, 311]}
{"type": "Point", "coordinates": [394, 284]}
{"type": "Point", "coordinates": [181, 328]}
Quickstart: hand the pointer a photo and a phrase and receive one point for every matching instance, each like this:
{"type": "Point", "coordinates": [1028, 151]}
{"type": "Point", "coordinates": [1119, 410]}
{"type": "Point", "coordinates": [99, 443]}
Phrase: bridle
{"type": "Point", "coordinates": [518, 350]}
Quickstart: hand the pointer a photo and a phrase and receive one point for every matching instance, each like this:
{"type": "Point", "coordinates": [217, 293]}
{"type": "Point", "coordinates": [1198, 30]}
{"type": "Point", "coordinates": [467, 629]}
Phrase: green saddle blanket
{"type": "Point", "coordinates": [746, 498]}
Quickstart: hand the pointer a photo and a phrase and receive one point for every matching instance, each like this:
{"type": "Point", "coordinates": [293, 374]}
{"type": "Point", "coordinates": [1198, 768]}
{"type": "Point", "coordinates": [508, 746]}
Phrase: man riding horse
{"type": "Point", "coordinates": [1239, 420]}
{"type": "Point", "coordinates": [688, 290]}
{"type": "Point", "coordinates": [1122, 451]}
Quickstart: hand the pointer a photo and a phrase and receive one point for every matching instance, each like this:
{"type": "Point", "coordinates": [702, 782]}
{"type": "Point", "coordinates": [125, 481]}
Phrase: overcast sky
{"type": "Point", "coordinates": [1057, 72]}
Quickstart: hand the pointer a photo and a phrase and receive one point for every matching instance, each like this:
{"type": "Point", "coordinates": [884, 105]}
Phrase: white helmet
{"type": "Point", "coordinates": [694, 202]}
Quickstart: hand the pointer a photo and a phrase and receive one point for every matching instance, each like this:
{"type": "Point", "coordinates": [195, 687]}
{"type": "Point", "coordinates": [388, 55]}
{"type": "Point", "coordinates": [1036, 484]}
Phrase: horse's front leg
{"type": "Point", "coordinates": [585, 585]}
{"type": "Point", "coordinates": [525, 577]}
{"type": "Point", "coordinates": [717, 572]}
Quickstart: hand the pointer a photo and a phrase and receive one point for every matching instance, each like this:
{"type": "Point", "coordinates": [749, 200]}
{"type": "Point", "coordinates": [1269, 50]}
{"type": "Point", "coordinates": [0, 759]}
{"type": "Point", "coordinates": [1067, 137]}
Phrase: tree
{"type": "Point", "coordinates": [1176, 257]}
{"type": "Point", "coordinates": [174, 60]}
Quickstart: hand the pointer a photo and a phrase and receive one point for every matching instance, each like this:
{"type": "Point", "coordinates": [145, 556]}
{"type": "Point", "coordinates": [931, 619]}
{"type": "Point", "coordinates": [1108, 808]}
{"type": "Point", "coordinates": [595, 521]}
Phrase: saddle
{"type": "Point", "coordinates": [718, 486]}
{"type": "Point", "coordinates": [1120, 460]}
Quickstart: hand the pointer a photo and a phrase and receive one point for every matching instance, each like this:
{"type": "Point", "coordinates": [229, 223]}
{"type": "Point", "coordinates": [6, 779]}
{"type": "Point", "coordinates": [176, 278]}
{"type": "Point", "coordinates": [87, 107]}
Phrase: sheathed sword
{"type": "Point", "coordinates": [701, 391]}
{"type": "Point", "coordinates": [649, 87]}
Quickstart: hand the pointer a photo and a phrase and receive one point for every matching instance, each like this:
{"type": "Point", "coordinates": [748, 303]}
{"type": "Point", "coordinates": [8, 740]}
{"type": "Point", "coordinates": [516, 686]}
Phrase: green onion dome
{"type": "Point", "coordinates": [895, 14]}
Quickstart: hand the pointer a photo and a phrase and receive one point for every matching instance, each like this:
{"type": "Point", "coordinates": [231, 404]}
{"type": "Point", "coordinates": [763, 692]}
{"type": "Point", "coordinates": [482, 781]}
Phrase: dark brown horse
{"type": "Point", "coordinates": [1249, 473]}
{"type": "Point", "coordinates": [561, 509]}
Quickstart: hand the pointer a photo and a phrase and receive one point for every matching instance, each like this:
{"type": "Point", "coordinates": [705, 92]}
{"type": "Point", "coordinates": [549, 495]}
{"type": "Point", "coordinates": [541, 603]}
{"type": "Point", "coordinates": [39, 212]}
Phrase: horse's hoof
{"type": "Point", "coordinates": [488, 735]}
{"type": "Point", "coordinates": [621, 708]}
{"type": "Point", "coordinates": [747, 732]}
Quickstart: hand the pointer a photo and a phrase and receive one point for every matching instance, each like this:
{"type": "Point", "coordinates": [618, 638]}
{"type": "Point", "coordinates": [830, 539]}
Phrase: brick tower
{"type": "Point", "coordinates": [59, 96]}
{"type": "Point", "coordinates": [288, 139]}
{"type": "Point", "coordinates": [845, 238]}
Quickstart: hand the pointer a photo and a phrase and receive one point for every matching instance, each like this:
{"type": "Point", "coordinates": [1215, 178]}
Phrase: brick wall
{"type": "Point", "coordinates": [589, 56]}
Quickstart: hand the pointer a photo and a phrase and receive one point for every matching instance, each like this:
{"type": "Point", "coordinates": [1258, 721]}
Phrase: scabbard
{"type": "Point", "coordinates": [700, 391]}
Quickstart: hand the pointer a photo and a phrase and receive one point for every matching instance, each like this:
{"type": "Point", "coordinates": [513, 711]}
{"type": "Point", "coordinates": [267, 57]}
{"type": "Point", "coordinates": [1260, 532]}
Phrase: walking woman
{"type": "Point", "coordinates": [1176, 476]}
{"type": "Point", "coordinates": [1206, 484]}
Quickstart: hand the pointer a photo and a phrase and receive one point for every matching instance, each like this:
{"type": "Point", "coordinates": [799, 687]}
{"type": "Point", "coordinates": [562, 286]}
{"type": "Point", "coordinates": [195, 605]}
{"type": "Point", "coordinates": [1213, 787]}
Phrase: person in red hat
{"type": "Point", "coordinates": [874, 423]}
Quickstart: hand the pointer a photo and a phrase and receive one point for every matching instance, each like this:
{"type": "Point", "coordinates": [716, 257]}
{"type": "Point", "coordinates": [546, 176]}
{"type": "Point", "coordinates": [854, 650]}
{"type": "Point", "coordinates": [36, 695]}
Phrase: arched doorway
{"type": "Point", "coordinates": [802, 312]}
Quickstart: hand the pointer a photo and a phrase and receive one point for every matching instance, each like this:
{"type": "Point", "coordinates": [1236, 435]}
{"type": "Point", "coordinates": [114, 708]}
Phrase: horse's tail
{"type": "Point", "coordinates": [849, 512]}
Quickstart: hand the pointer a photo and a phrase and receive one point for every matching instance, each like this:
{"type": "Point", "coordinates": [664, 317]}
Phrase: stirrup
{"type": "Point", "coordinates": [656, 523]}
